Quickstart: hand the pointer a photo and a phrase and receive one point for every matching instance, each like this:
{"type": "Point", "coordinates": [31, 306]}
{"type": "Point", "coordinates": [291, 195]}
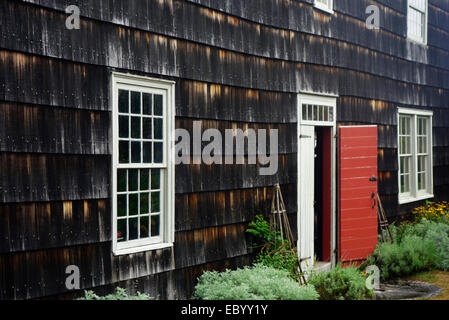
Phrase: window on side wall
{"type": "Point", "coordinates": [143, 170]}
{"type": "Point", "coordinates": [417, 20]}
{"type": "Point", "coordinates": [325, 5]}
{"type": "Point", "coordinates": [415, 155]}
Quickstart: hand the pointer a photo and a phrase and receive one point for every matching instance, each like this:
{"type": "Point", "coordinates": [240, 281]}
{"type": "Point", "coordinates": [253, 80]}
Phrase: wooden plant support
{"type": "Point", "coordinates": [383, 223]}
{"type": "Point", "coordinates": [280, 225]}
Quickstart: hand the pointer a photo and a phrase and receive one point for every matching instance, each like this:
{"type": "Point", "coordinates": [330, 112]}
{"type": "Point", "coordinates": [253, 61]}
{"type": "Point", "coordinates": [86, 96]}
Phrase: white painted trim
{"type": "Point", "coordinates": [316, 99]}
{"type": "Point", "coordinates": [167, 216]}
{"type": "Point", "coordinates": [330, 101]}
{"type": "Point", "coordinates": [415, 195]}
{"type": "Point", "coordinates": [417, 40]}
{"type": "Point", "coordinates": [418, 112]}
{"type": "Point", "coordinates": [328, 9]}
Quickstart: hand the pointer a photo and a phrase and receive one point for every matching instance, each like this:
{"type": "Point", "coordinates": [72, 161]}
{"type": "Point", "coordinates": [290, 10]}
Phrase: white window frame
{"type": "Point", "coordinates": [329, 8]}
{"type": "Point", "coordinates": [426, 17]}
{"type": "Point", "coordinates": [415, 194]}
{"type": "Point", "coordinates": [329, 101]}
{"type": "Point", "coordinates": [167, 224]}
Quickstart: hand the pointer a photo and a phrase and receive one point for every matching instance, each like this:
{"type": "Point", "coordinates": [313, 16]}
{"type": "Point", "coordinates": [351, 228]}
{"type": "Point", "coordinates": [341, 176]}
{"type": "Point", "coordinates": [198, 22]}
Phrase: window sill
{"type": "Point", "coordinates": [323, 8]}
{"type": "Point", "coordinates": [150, 247]}
{"type": "Point", "coordinates": [405, 200]}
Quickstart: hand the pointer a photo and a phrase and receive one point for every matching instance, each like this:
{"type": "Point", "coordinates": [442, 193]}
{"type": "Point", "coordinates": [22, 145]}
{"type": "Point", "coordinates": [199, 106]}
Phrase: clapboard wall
{"type": "Point", "coordinates": [237, 64]}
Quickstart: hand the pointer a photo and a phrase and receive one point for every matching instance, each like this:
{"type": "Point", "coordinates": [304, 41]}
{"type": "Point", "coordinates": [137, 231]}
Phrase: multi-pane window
{"type": "Point", "coordinates": [417, 20]}
{"type": "Point", "coordinates": [143, 175]}
{"type": "Point", "coordinates": [320, 113]}
{"type": "Point", "coordinates": [326, 5]}
{"type": "Point", "coordinates": [415, 155]}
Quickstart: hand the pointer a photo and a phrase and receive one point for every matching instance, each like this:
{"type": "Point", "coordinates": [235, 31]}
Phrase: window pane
{"type": "Point", "coordinates": [122, 205]}
{"type": "Point", "coordinates": [422, 163]}
{"type": "Point", "coordinates": [155, 179]}
{"type": "Point", "coordinates": [123, 101]}
{"type": "Point", "coordinates": [158, 152]}
{"type": "Point", "coordinates": [144, 180]}
{"type": "Point", "coordinates": [147, 128]}
{"type": "Point", "coordinates": [123, 152]}
{"type": "Point", "coordinates": [147, 104]}
{"type": "Point", "coordinates": [421, 181]}
{"type": "Point", "coordinates": [133, 227]}
{"type": "Point", "coordinates": [123, 124]}
{"type": "Point", "coordinates": [155, 202]}
{"type": "Point", "coordinates": [404, 145]}
{"type": "Point", "coordinates": [326, 113]}
{"type": "Point", "coordinates": [135, 128]}
{"type": "Point", "coordinates": [135, 152]}
{"type": "Point", "coordinates": [133, 203]}
{"type": "Point", "coordinates": [144, 203]}
{"type": "Point", "coordinates": [422, 145]}
{"type": "Point", "coordinates": [158, 105]}
{"type": "Point", "coordinates": [133, 179]}
{"type": "Point", "coordinates": [135, 102]}
{"type": "Point", "coordinates": [144, 227]}
{"type": "Point", "coordinates": [405, 164]}
{"type": "Point", "coordinates": [121, 230]}
{"type": "Point", "coordinates": [304, 112]}
{"type": "Point", "coordinates": [121, 180]}
{"type": "Point", "coordinates": [309, 112]}
{"type": "Point", "coordinates": [315, 113]}
{"type": "Point", "coordinates": [155, 226]}
{"type": "Point", "coordinates": [158, 128]}
{"type": "Point", "coordinates": [405, 183]}
{"type": "Point", "coordinates": [147, 152]}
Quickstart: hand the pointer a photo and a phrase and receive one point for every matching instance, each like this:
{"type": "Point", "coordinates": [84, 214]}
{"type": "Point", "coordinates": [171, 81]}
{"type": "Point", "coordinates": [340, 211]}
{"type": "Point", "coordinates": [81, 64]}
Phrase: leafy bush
{"type": "Point", "coordinates": [252, 283]}
{"type": "Point", "coordinates": [275, 252]}
{"type": "Point", "coordinates": [341, 284]}
{"type": "Point", "coordinates": [120, 294]}
{"type": "Point", "coordinates": [400, 258]}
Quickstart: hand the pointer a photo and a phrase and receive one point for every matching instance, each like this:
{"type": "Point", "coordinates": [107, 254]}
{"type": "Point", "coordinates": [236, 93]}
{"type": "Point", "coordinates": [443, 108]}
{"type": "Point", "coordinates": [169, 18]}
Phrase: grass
{"type": "Point", "coordinates": [437, 278]}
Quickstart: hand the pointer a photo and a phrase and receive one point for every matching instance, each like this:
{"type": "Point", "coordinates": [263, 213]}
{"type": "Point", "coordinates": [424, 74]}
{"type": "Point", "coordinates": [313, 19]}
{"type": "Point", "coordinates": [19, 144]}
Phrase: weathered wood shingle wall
{"type": "Point", "coordinates": [236, 64]}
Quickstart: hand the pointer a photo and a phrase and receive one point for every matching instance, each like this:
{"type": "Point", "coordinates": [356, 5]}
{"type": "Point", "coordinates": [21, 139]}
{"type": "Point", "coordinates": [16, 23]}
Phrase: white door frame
{"type": "Point", "coordinates": [331, 101]}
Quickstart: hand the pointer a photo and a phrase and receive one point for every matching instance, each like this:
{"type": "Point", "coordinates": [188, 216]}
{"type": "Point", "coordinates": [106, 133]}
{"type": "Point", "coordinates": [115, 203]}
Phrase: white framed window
{"type": "Point", "coordinates": [317, 110]}
{"type": "Point", "coordinates": [417, 20]}
{"type": "Point", "coordinates": [415, 161]}
{"type": "Point", "coordinates": [325, 5]}
{"type": "Point", "coordinates": [142, 162]}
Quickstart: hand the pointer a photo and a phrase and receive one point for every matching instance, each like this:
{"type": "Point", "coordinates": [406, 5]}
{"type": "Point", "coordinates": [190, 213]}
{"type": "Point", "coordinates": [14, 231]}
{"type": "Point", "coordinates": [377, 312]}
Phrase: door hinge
{"type": "Point", "coordinates": [304, 137]}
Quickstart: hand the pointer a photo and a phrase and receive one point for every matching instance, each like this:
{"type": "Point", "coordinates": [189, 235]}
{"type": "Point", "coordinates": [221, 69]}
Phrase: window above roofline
{"type": "Point", "coordinates": [326, 8]}
{"type": "Point", "coordinates": [419, 40]}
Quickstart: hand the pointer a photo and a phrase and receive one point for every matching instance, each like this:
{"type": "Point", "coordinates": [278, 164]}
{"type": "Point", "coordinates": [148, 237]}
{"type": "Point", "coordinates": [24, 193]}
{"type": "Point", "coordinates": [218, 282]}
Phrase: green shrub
{"type": "Point", "coordinates": [409, 255]}
{"type": "Point", "coordinates": [252, 283]}
{"type": "Point", "coordinates": [120, 294]}
{"type": "Point", "coordinates": [281, 259]}
{"type": "Point", "coordinates": [274, 251]}
{"type": "Point", "coordinates": [341, 284]}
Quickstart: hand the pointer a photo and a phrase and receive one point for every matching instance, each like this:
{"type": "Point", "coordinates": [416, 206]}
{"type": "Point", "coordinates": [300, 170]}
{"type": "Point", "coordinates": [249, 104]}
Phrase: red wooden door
{"type": "Point", "coordinates": [357, 192]}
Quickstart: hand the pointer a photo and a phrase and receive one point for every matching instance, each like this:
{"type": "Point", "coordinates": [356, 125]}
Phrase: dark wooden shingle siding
{"type": "Point", "coordinates": [237, 64]}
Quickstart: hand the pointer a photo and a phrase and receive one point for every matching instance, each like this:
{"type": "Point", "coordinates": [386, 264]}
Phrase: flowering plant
{"type": "Point", "coordinates": [433, 211]}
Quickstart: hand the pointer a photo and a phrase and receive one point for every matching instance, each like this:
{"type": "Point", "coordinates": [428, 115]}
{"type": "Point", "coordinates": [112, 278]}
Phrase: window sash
{"type": "Point", "coordinates": [415, 179]}
{"type": "Point", "coordinates": [417, 20]}
{"type": "Point", "coordinates": [142, 198]}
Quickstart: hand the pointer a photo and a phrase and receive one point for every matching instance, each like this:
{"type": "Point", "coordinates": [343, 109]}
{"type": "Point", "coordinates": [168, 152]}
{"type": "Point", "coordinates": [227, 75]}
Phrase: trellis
{"type": "Point", "coordinates": [279, 224]}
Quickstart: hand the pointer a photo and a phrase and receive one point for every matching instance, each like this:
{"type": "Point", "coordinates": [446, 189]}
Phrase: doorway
{"type": "Point", "coordinates": [316, 182]}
